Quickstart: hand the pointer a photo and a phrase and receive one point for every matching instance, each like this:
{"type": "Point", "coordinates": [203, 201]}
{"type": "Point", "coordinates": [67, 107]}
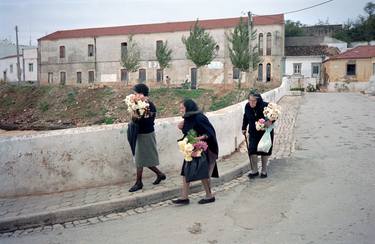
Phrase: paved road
{"type": "Point", "coordinates": [323, 193]}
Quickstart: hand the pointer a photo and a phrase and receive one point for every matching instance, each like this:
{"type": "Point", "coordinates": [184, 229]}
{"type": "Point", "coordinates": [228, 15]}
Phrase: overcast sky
{"type": "Point", "coordinates": [36, 18]}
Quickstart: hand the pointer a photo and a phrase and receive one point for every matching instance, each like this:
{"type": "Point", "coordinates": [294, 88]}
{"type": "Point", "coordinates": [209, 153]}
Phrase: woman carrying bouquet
{"type": "Point", "coordinates": [253, 113]}
{"type": "Point", "coordinates": [197, 121]}
{"type": "Point", "coordinates": [146, 154]}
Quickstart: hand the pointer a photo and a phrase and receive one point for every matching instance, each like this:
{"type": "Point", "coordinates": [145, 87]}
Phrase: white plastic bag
{"type": "Point", "coordinates": [265, 142]}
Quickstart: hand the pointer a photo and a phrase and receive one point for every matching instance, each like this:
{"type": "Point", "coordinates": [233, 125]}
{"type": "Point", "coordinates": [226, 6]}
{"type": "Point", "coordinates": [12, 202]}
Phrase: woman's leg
{"type": "Point", "coordinates": [185, 188]}
{"type": "Point", "coordinates": [207, 188]}
{"type": "Point", "coordinates": [160, 175]}
{"type": "Point", "coordinates": [184, 199]}
{"type": "Point", "coordinates": [264, 165]}
{"type": "Point", "coordinates": [254, 163]}
{"type": "Point", "coordinates": [138, 184]}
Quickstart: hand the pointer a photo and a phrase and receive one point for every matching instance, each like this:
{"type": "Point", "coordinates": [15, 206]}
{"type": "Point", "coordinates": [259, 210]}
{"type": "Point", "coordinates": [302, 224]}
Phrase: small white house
{"type": "Point", "coordinates": [305, 62]}
{"type": "Point", "coordinates": [28, 66]}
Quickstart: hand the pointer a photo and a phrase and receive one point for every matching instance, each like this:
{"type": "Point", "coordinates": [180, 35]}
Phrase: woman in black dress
{"type": "Point", "coordinates": [196, 120]}
{"type": "Point", "coordinates": [253, 112]}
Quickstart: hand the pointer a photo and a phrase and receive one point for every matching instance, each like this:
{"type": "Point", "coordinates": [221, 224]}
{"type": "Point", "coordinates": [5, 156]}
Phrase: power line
{"type": "Point", "coordinates": [299, 10]}
{"type": "Point", "coordinates": [313, 6]}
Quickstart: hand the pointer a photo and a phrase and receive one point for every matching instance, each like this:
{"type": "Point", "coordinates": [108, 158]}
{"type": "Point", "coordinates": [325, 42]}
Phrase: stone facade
{"type": "Point", "coordinates": [105, 66]}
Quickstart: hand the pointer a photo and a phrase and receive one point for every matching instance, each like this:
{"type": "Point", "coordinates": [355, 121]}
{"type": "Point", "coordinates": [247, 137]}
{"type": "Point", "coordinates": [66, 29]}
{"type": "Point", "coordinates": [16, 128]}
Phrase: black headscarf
{"type": "Point", "coordinates": [142, 89]}
{"type": "Point", "coordinates": [191, 108]}
{"type": "Point", "coordinates": [195, 119]}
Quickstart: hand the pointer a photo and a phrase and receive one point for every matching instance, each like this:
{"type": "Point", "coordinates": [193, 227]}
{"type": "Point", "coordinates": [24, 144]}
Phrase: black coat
{"type": "Point", "coordinates": [251, 115]}
{"type": "Point", "coordinates": [200, 123]}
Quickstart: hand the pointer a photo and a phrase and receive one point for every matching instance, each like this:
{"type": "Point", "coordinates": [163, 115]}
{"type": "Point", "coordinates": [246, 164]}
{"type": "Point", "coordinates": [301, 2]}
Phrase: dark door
{"type": "Point", "coordinates": [193, 78]}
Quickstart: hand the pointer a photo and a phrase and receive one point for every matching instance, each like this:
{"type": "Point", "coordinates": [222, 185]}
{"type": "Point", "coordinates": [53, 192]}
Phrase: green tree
{"type": "Point", "coordinates": [200, 48]}
{"type": "Point", "coordinates": [163, 55]}
{"type": "Point", "coordinates": [239, 51]}
{"type": "Point", "coordinates": [361, 29]}
{"type": "Point", "coordinates": [293, 28]}
{"type": "Point", "coordinates": [370, 8]}
{"type": "Point", "coordinates": [130, 55]}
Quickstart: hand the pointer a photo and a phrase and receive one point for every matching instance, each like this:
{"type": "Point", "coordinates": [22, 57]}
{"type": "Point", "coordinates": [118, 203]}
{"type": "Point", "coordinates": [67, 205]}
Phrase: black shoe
{"type": "Point", "coordinates": [262, 175]}
{"type": "Point", "coordinates": [252, 175]}
{"type": "Point", "coordinates": [159, 178]}
{"type": "Point", "coordinates": [206, 200]}
{"type": "Point", "coordinates": [136, 187]}
{"type": "Point", "coordinates": [181, 201]}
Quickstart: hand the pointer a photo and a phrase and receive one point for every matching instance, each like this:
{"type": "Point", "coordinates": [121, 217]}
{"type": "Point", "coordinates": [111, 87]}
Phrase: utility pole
{"type": "Point", "coordinates": [250, 28]}
{"type": "Point", "coordinates": [18, 58]}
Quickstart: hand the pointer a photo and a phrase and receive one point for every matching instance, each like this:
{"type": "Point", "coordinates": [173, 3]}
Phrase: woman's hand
{"type": "Point", "coordinates": [180, 125]}
{"type": "Point", "coordinates": [201, 138]}
{"type": "Point", "coordinates": [268, 123]}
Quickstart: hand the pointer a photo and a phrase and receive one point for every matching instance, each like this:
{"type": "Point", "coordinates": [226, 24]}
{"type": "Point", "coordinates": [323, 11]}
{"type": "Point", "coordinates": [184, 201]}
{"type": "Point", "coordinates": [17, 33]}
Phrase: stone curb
{"type": "Point", "coordinates": [107, 207]}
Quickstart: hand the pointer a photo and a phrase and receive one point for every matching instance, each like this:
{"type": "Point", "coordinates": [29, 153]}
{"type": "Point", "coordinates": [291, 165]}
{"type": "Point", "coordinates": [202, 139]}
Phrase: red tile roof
{"type": "Point", "coordinates": [357, 52]}
{"type": "Point", "coordinates": [162, 27]}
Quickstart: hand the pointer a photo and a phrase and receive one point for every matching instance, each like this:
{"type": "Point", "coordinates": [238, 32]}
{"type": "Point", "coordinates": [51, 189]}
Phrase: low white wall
{"type": "Point", "coordinates": [347, 86]}
{"type": "Point", "coordinates": [53, 161]}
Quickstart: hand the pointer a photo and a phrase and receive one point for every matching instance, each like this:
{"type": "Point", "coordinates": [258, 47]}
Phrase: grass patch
{"type": "Point", "coordinates": [43, 106]}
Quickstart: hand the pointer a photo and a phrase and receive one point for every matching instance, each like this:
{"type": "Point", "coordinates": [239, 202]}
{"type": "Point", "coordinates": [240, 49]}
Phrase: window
{"type": "Point", "coordinates": [90, 50]}
{"type": "Point", "coordinates": [91, 76]}
{"type": "Point", "coordinates": [159, 44]}
{"type": "Point", "coordinates": [50, 77]}
{"type": "Point", "coordinates": [142, 75]}
{"type": "Point", "coordinates": [315, 70]}
{"type": "Point", "coordinates": [268, 72]}
{"type": "Point", "coordinates": [62, 78]}
{"type": "Point", "coordinates": [62, 51]}
{"type": "Point", "coordinates": [31, 67]}
{"type": "Point", "coordinates": [124, 75]}
{"type": "Point", "coordinates": [260, 44]}
{"type": "Point", "coordinates": [269, 43]}
{"type": "Point", "coordinates": [297, 68]}
{"type": "Point", "coordinates": [373, 68]}
{"type": "Point", "coordinates": [260, 72]}
{"type": "Point", "coordinates": [159, 75]}
{"type": "Point", "coordinates": [124, 49]}
{"type": "Point", "coordinates": [350, 69]}
{"type": "Point", "coordinates": [79, 77]}
{"type": "Point", "coordinates": [11, 68]}
{"type": "Point", "coordinates": [236, 73]}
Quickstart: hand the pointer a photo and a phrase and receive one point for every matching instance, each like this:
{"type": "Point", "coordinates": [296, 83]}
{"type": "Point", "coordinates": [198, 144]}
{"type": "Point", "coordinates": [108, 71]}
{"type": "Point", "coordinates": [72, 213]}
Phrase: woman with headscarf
{"type": "Point", "coordinates": [146, 154]}
{"type": "Point", "coordinates": [196, 120]}
{"type": "Point", "coordinates": [253, 112]}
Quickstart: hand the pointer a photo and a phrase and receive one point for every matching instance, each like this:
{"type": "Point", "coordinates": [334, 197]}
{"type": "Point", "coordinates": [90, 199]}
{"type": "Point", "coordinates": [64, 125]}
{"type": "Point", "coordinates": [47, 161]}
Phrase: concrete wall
{"type": "Point", "coordinates": [106, 60]}
{"type": "Point", "coordinates": [52, 161]}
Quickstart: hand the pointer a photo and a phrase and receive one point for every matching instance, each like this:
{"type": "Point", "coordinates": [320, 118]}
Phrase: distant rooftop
{"type": "Point", "coordinates": [357, 53]}
{"type": "Point", "coordinates": [162, 27]}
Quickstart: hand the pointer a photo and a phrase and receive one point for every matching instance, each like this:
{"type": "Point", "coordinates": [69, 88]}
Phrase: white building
{"type": "Point", "coordinates": [305, 63]}
{"type": "Point", "coordinates": [28, 66]}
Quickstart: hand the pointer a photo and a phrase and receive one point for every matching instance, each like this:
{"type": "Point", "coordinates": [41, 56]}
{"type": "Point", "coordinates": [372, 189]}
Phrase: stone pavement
{"type": "Point", "coordinates": [88, 206]}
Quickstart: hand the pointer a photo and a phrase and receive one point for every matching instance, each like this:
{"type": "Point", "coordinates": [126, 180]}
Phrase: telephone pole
{"type": "Point", "coordinates": [18, 58]}
{"type": "Point", "coordinates": [250, 28]}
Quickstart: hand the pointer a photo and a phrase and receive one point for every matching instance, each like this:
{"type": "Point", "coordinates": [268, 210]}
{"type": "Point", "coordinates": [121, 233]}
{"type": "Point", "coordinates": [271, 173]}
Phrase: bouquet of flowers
{"type": "Point", "coordinates": [272, 111]}
{"type": "Point", "coordinates": [260, 124]}
{"type": "Point", "coordinates": [191, 147]}
{"type": "Point", "coordinates": [138, 104]}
